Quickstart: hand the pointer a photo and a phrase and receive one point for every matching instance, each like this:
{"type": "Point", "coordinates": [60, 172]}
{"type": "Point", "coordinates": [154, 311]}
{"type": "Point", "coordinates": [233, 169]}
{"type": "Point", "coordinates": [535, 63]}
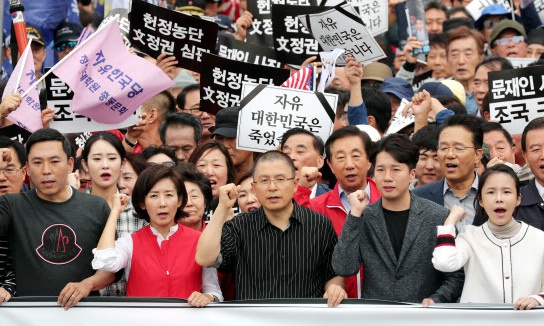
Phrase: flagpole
{"type": "Point", "coordinates": [24, 55]}
{"type": "Point", "coordinates": [67, 56]}
{"type": "Point", "coordinates": [314, 77]}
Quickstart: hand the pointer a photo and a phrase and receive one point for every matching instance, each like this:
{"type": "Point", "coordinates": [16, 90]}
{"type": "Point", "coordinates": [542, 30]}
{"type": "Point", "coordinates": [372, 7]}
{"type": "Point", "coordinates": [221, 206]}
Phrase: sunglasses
{"type": "Point", "coordinates": [491, 22]}
{"type": "Point", "coordinates": [61, 47]}
{"type": "Point", "coordinates": [506, 40]}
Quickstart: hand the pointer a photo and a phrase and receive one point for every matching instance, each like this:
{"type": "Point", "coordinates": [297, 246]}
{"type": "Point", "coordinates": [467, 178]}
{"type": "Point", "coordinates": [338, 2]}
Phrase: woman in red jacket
{"type": "Point", "coordinates": [159, 258]}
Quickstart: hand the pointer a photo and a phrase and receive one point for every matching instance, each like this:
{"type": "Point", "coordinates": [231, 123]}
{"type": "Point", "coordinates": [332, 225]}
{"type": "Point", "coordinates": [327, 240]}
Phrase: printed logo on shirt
{"type": "Point", "coordinates": [58, 245]}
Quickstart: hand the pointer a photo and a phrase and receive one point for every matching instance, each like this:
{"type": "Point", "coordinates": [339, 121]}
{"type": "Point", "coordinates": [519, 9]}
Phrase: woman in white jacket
{"type": "Point", "coordinates": [503, 259]}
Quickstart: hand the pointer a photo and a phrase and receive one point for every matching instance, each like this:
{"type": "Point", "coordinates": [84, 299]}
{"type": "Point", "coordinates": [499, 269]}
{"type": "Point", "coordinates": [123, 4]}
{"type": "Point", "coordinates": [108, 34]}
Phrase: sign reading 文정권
{"type": "Point", "coordinates": [267, 112]}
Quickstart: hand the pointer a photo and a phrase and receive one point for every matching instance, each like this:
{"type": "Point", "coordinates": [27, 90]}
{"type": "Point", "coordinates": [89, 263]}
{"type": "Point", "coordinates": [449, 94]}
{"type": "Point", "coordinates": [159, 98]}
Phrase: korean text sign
{"type": "Point", "coordinates": [267, 112]}
{"type": "Point", "coordinates": [245, 52]}
{"type": "Point", "coordinates": [373, 13]}
{"type": "Point", "coordinates": [516, 96]}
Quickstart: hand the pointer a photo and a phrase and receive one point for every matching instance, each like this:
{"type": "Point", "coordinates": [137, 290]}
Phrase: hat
{"type": "Point", "coordinates": [226, 122]}
{"type": "Point", "coordinates": [67, 32]}
{"type": "Point", "coordinates": [183, 79]}
{"type": "Point", "coordinates": [191, 7]}
{"type": "Point", "coordinates": [376, 71]}
{"type": "Point", "coordinates": [370, 131]}
{"type": "Point", "coordinates": [399, 87]}
{"type": "Point", "coordinates": [451, 24]}
{"type": "Point", "coordinates": [436, 89]}
{"type": "Point", "coordinates": [495, 9]}
{"type": "Point", "coordinates": [536, 36]}
{"type": "Point", "coordinates": [504, 25]}
{"type": "Point", "coordinates": [457, 89]}
{"type": "Point", "coordinates": [34, 35]}
{"type": "Point", "coordinates": [224, 22]}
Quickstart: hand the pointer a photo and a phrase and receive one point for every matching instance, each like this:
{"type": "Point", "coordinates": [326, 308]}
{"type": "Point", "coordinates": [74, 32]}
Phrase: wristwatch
{"type": "Point", "coordinates": [129, 143]}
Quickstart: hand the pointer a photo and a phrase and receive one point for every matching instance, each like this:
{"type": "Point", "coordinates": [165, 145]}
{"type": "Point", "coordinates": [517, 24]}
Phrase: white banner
{"type": "Point", "coordinates": [374, 13]}
{"type": "Point", "coordinates": [476, 7]}
{"type": "Point", "coordinates": [146, 313]}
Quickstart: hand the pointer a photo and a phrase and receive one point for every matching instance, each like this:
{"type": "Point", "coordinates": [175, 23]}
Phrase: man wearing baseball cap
{"type": "Point", "coordinates": [224, 131]}
{"type": "Point", "coordinates": [508, 40]}
{"type": "Point", "coordinates": [37, 46]}
{"type": "Point", "coordinates": [66, 36]}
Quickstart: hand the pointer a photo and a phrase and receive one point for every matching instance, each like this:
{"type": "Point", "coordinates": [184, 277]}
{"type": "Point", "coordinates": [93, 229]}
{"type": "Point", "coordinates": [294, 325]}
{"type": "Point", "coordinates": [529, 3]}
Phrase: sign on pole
{"type": "Point", "coordinates": [267, 112]}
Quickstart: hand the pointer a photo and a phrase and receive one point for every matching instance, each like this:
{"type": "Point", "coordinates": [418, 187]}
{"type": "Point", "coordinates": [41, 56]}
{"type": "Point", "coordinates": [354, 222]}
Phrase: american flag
{"type": "Point", "coordinates": [302, 79]}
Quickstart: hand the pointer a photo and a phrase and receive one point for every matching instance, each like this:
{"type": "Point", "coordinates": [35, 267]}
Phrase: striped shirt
{"type": "Point", "coordinates": [270, 263]}
{"type": "Point", "coordinates": [7, 274]}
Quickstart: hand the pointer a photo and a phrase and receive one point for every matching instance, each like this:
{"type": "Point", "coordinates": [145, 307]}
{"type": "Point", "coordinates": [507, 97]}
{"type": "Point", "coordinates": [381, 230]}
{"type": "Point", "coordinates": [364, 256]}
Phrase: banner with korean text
{"type": "Point", "coordinates": [516, 96]}
{"type": "Point", "coordinates": [267, 112]}
{"type": "Point", "coordinates": [341, 27]}
{"type": "Point", "coordinates": [373, 13]}
{"type": "Point", "coordinates": [155, 30]}
{"type": "Point", "coordinates": [109, 83]}
{"type": "Point", "coordinates": [240, 51]}
{"type": "Point", "coordinates": [221, 81]}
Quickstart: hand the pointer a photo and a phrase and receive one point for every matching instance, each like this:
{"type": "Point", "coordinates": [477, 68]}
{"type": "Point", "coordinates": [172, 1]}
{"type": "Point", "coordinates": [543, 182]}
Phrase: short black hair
{"type": "Point", "coordinates": [469, 123]}
{"type": "Point", "coordinates": [190, 173]}
{"type": "Point", "coordinates": [155, 150]}
{"type": "Point", "coordinates": [434, 4]}
{"type": "Point", "coordinates": [317, 142]}
{"type": "Point", "coordinates": [147, 180]}
{"type": "Point", "coordinates": [439, 40]}
{"type": "Point", "coordinates": [105, 136]}
{"type": "Point", "coordinates": [537, 123]}
{"type": "Point", "coordinates": [202, 148]}
{"type": "Point", "coordinates": [452, 103]}
{"type": "Point", "coordinates": [398, 146]}
{"type": "Point", "coordinates": [456, 9]}
{"type": "Point", "coordinates": [180, 99]}
{"type": "Point", "coordinates": [426, 138]}
{"type": "Point", "coordinates": [345, 132]}
{"type": "Point", "coordinates": [495, 63]}
{"type": "Point", "coordinates": [138, 162]}
{"type": "Point", "coordinates": [164, 102]}
{"type": "Point", "coordinates": [48, 134]}
{"type": "Point", "coordinates": [6, 142]}
{"type": "Point", "coordinates": [273, 156]}
{"type": "Point", "coordinates": [489, 126]}
{"type": "Point", "coordinates": [378, 105]}
{"type": "Point", "coordinates": [181, 119]}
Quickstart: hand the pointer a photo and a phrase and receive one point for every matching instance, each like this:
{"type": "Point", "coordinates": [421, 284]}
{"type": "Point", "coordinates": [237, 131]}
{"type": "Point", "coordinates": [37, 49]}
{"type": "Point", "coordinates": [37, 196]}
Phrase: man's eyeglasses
{"type": "Point", "coordinates": [168, 164]}
{"type": "Point", "coordinates": [195, 112]}
{"type": "Point", "coordinates": [278, 181]}
{"type": "Point", "coordinates": [506, 40]}
{"type": "Point", "coordinates": [10, 171]}
{"type": "Point", "coordinates": [457, 149]}
{"type": "Point", "coordinates": [61, 47]}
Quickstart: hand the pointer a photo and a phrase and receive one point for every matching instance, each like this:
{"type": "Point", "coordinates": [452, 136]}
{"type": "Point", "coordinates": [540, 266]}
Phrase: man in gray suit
{"type": "Point", "coordinates": [394, 238]}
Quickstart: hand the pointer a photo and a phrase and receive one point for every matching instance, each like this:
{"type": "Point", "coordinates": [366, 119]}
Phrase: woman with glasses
{"type": "Point", "coordinates": [104, 158]}
{"type": "Point", "coordinates": [155, 155]}
{"type": "Point", "coordinates": [159, 259]}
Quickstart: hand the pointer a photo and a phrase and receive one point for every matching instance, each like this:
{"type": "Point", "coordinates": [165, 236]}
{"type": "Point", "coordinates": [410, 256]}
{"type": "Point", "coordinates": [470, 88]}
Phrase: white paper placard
{"type": "Point", "coordinates": [476, 7]}
{"type": "Point", "coordinates": [374, 13]}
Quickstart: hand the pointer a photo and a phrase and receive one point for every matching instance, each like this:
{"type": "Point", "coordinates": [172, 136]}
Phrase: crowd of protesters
{"type": "Point", "coordinates": [445, 208]}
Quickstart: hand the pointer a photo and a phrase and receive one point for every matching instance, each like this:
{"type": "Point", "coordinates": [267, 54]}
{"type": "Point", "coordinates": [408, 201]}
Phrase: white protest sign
{"type": "Point", "coordinates": [539, 5]}
{"type": "Point", "coordinates": [341, 27]}
{"type": "Point", "coordinates": [374, 13]}
{"type": "Point", "coordinates": [476, 7]}
{"type": "Point", "coordinates": [399, 122]}
{"type": "Point", "coordinates": [521, 62]}
{"type": "Point", "coordinates": [268, 112]}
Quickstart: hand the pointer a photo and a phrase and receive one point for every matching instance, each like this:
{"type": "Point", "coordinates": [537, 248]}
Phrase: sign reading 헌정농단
{"type": "Point", "coordinates": [267, 112]}
{"type": "Point", "coordinates": [155, 30]}
{"type": "Point", "coordinates": [341, 27]}
{"type": "Point", "coordinates": [516, 96]}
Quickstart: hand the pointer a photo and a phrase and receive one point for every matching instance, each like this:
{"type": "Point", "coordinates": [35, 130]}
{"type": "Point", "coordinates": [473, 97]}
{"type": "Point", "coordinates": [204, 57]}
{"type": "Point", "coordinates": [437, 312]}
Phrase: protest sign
{"type": "Point", "coordinates": [399, 122]}
{"type": "Point", "coordinates": [341, 27]}
{"type": "Point", "coordinates": [267, 112]}
{"type": "Point", "coordinates": [293, 43]}
{"type": "Point", "coordinates": [109, 83]}
{"type": "Point", "coordinates": [373, 13]}
{"type": "Point", "coordinates": [521, 62]}
{"type": "Point", "coordinates": [221, 81]}
{"type": "Point", "coordinates": [28, 115]}
{"type": "Point", "coordinates": [121, 14]}
{"type": "Point", "coordinates": [16, 133]}
{"type": "Point", "coordinates": [415, 13]}
{"type": "Point", "coordinates": [244, 52]}
{"type": "Point", "coordinates": [260, 31]}
{"type": "Point", "coordinates": [59, 98]}
{"type": "Point", "coordinates": [475, 7]}
{"type": "Point", "coordinates": [155, 30]}
{"type": "Point", "coordinates": [516, 97]}
{"type": "Point", "coordinates": [539, 5]}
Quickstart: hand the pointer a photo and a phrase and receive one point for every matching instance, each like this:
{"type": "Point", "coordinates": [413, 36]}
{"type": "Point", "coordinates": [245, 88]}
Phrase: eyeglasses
{"type": "Point", "coordinates": [168, 164]}
{"type": "Point", "coordinates": [491, 22]}
{"type": "Point", "coordinates": [10, 171]}
{"type": "Point", "coordinates": [506, 40]}
{"type": "Point", "coordinates": [278, 181]}
{"type": "Point", "coordinates": [61, 47]}
{"type": "Point", "coordinates": [195, 112]}
{"type": "Point", "coordinates": [457, 149]}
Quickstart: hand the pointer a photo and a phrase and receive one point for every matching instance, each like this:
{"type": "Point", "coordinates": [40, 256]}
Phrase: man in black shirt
{"type": "Point", "coordinates": [281, 250]}
{"type": "Point", "coordinates": [394, 238]}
